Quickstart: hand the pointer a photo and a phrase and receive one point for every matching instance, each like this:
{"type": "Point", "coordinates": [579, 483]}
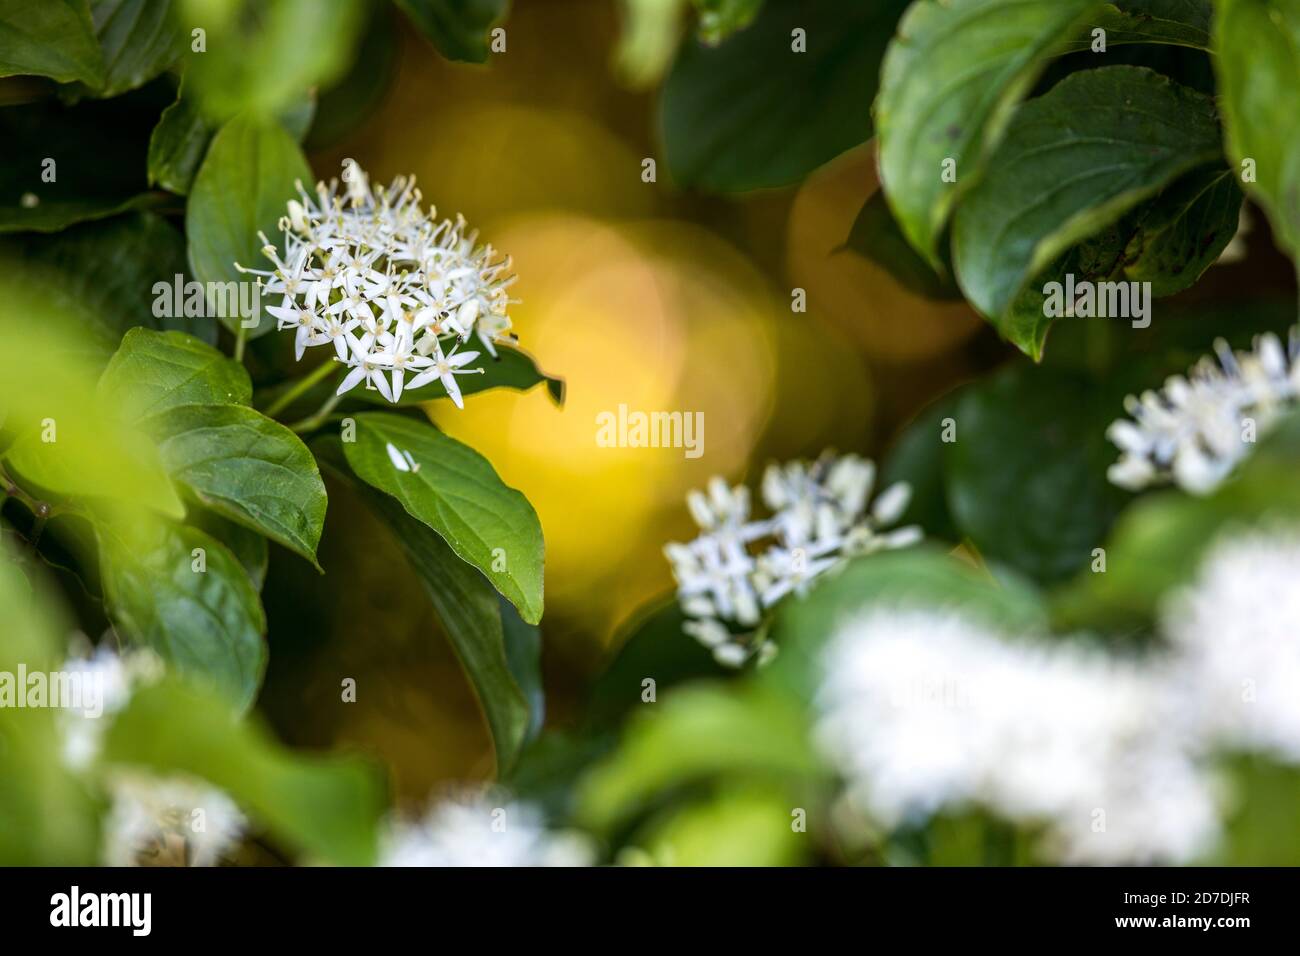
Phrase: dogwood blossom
{"type": "Point", "coordinates": [1236, 633]}
{"type": "Point", "coordinates": [1196, 429]}
{"type": "Point", "coordinates": [471, 829]}
{"type": "Point", "coordinates": [169, 821]}
{"type": "Point", "coordinates": [924, 710]}
{"type": "Point", "coordinates": [393, 290]}
{"type": "Point", "coordinates": [738, 567]}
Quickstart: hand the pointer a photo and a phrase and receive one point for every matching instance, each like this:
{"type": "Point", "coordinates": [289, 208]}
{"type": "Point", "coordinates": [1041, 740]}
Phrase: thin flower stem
{"type": "Point", "coordinates": [300, 387]}
{"type": "Point", "coordinates": [240, 338]}
{"type": "Point", "coordinates": [312, 422]}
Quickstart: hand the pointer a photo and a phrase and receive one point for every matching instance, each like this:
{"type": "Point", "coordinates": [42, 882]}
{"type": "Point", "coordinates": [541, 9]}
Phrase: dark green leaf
{"type": "Point", "coordinates": [753, 113]}
{"type": "Point", "coordinates": [1176, 22]}
{"type": "Point", "coordinates": [177, 145]}
{"type": "Point", "coordinates": [1072, 163]}
{"type": "Point", "coordinates": [115, 268]}
{"type": "Point", "coordinates": [947, 87]}
{"type": "Point", "coordinates": [917, 457]}
{"type": "Point", "coordinates": [1259, 73]}
{"type": "Point", "coordinates": [496, 649]}
{"type": "Point", "coordinates": [875, 236]}
{"type": "Point", "coordinates": [1026, 476]}
{"type": "Point", "coordinates": [1182, 232]}
{"type": "Point", "coordinates": [206, 624]}
{"type": "Point", "coordinates": [139, 40]}
{"type": "Point", "coordinates": [242, 188]}
{"type": "Point", "coordinates": [154, 371]}
{"type": "Point", "coordinates": [67, 164]}
{"type": "Point", "coordinates": [454, 490]}
{"type": "Point", "coordinates": [247, 468]}
{"type": "Point", "coordinates": [53, 38]}
{"type": "Point", "coordinates": [458, 28]}
{"type": "Point", "coordinates": [327, 807]}
{"type": "Point", "coordinates": [180, 140]}
{"type": "Point", "coordinates": [653, 645]}
{"type": "Point", "coordinates": [247, 546]}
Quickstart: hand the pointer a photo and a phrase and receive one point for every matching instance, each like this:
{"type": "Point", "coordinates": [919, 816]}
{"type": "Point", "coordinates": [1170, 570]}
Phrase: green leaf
{"type": "Point", "coordinates": [454, 490]}
{"type": "Point", "coordinates": [46, 817]}
{"type": "Point", "coordinates": [92, 461]}
{"type": "Point", "coordinates": [652, 645]}
{"type": "Point", "coordinates": [741, 826]}
{"type": "Point", "coordinates": [53, 38]}
{"type": "Point", "coordinates": [66, 445]}
{"type": "Point", "coordinates": [247, 468]}
{"type": "Point", "coordinates": [876, 237]}
{"type": "Point", "coordinates": [1258, 42]}
{"type": "Point", "coordinates": [155, 371]}
{"type": "Point", "coordinates": [698, 732]}
{"type": "Point", "coordinates": [248, 547]}
{"type": "Point", "coordinates": [1073, 162]}
{"type": "Point", "coordinates": [753, 113]}
{"type": "Point", "coordinates": [1261, 824]}
{"type": "Point", "coordinates": [139, 40]}
{"type": "Point", "coordinates": [1182, 232]}
{"type": "Point", "coordinates": [524, 656]}
{"type": "Point", "coordinates": [326, 807]}
{"type": "Point", "coordinates": [177, 145]}
{"type": "Point", "coordinates": [917, 457]}
{"type": "Point", "coordinates": [921, 575]}
{"type": "Point", "coordinates": [719, 19]}
{"type": "Point", "coordinates": [1026, 477]}
{"type": "Point", "coordinates": [1175, 22]}
{"type": "Point", "coordinates": [947, 88]}
{"type": "Point", "coordinates": [115, 268]}
{"type": "Point", "coordinates": [242, 188]}
{"type": "Point", "coordinates": [206, 624]}
{"type": "Point", "coordinates": [474, 617]}
{"type": "Point", "coordinates": [457, 28]}
{"type": "Point", "coordinates": [180, 140]}
{"type": "Point", "coordinates": [261, 57]}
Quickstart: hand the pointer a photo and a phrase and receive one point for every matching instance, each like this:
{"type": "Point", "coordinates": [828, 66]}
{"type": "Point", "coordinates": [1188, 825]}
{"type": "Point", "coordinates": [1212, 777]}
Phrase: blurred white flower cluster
{"type": "Point", "coordinates": [471, 829]}
{"type": "Point", "coordinates": [169, 821]}
{"type": "Point", "coordinates": [395, 291]}
{"type": "Point", "coordinates": [924, 710]}
{"type": "Point", "coordinates": [153, 821]}
{"type": "Point", "coordinates": [738, 566]}
{"type": "Point", "coordinates": [1195, 429]}
{"type": "Point", "coordinates": [1236, 634]}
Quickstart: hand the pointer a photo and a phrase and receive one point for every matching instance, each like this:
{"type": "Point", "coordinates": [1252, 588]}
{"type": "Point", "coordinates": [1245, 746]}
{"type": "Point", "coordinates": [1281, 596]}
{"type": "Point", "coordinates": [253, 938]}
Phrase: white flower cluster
{"type": "Point", "coordinates": [1195, 430]}
{"type": "Point", "coordinates": [471, 829]}
{"type": "Point", "coordinates": [153, 821]}
{"type": "Point", "coordinates": [925, 709]}
{"type": "Point", "coordinates": [169, 821]}
{"type": "Point", "coordinates": [393, 290]}
{"type": "Point", "coordinates": [737, 567]}
{"type": "Point", "coordinates": [1236, 632]}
